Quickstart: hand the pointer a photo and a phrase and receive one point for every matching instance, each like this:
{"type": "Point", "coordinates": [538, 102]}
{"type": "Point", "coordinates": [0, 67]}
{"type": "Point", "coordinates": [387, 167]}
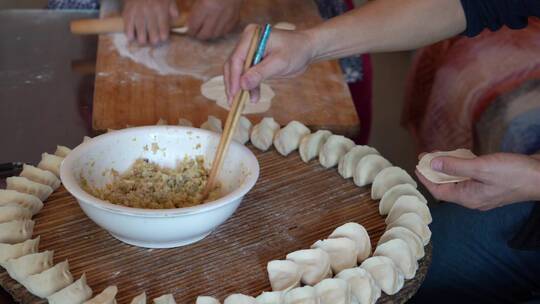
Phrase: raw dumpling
{"type": "Point", "coordinates": [315, 264]}
{"type": "Point", "coordinates": [414, 223]}
{"type": "Point", "coordinates": [359, 235]}
{"type": "Point", "coordinates": [409, 203]}
{"type": "Point", "coordinates": [389, 198]}
{"type": "Point", "coordinates": [107, 296]}
{"type": "Point", "coordinates": [273, 297]}
{"type": "Point", "coordinates": [40, 176]}
{"type": "Point", "coordinates": [311, 145]}
{"type": "Point", "coordinates": [288, 139]}
{"type": "Point", "coordinates": [424, 166]}
{"type": "Point", "coordinates": [13, 251]}
{"type": "Point", "coordinates": [347, 164]}
{"type": "Point", "coordinates": [30, 264]}
{"type": "Point", "coordinates": [206, 300]}
{"type": "Point", "coordinates": [140, 299]}
{"type": "Point", "coordinates": [212, 124]}
{"type": "Point", "coordinates": [16, 231]}
{"type": "Point", "coordinates": [62, 151]}
{"type": "Point", "coordinates": [165, 299]}
{"type": "Point", "coordinates": [263, 133]}
{"type": "Point", "coordinates": [185, 123]}
{"type": "Point", "coordinates": [342, 252]}
{"type": "Point", "coordinates": [13, 212]}
{"type": "Point", "coordinates": [335, 147]}
{"type": "Point", "coordinates": [243, 129]}
{"type": "Point", "coordinates": [388, 178]}
{"type": "Point", "coordinates": [401, 254]}
{"type": "Point", "coordinates": [301, 295]}
{"type": "Point", "coordinates": [24, 185]}
{"type": "Point", "coordinates": [76, 293]}
{"type": "Point", "coordinates": [51, 163]}
{"type": "Point", "coordinates": [49, 281]}
{"type": "Point", "coordinates": [161, 122]}
{"type": "Point", "coordinates": [368, 167]}
{"type": "Point", "coordinates": [385, 273]}
{"type": "Point", "coordinates": [239, 298]}
{"type": "Point", "coordinates": [364, 290]}
{"type": "Point", "coordinates": [284, 274]}
{"type": "Point", "coordinates": [333, 291]}
{"type": "Point", "coordinates": [12, 197]}
{"type": "Point", "coordinates": [413, 241]}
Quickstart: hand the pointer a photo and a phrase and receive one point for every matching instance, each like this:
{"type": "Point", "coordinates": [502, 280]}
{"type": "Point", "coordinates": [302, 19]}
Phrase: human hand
{"type": "Point", "coordinates": [496, 180]}
{"type": "Point", "coordinates": [211, 19]}
{"type": "Point", "coordinates": [148, 20]}
{"type": "Point", "coordinates": [288, 53]}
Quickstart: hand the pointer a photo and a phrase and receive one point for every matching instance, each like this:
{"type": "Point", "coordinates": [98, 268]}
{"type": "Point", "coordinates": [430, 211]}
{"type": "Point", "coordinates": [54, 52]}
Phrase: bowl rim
{"type": "Point", "coordinates": [69, 181]}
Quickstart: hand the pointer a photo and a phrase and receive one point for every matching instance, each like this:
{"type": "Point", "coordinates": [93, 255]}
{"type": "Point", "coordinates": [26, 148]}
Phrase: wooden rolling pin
{"type": "Point", "coordinates": [116, 25]}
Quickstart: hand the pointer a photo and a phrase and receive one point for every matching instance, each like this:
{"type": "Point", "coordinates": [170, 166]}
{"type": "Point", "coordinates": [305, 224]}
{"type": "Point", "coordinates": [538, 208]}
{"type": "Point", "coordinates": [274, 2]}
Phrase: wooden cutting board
{"type": "Point", "coordinates": [292, 205]}
{"type": "Point", "coordinates": [145, 84]}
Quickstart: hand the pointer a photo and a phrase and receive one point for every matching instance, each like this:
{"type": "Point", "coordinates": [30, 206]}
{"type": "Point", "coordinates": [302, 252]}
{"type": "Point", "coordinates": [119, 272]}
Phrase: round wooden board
{"type": "Point", "coordinates": [292, 205]}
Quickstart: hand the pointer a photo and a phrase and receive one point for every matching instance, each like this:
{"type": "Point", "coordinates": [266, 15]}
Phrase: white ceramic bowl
{"type": "Point", "coordinates": [164, 145]}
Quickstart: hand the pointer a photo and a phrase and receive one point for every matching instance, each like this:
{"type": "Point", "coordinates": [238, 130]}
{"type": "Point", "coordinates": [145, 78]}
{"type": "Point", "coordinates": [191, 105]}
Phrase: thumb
{"type": "Point", "coordinates": [455, 166]}
{"type": "Point", "coordinates": [257, 74]}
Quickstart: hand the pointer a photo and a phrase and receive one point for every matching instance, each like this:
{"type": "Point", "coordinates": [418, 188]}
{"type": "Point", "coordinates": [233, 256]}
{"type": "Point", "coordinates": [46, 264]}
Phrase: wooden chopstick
{"type": "Point", "coordinates": [232, 118]}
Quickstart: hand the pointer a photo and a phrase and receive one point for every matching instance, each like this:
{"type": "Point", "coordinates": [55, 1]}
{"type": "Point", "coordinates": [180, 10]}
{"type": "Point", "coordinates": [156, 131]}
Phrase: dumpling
{"type": "Point", "coordinates": [414, 223]}
{"type": "Point", "coordinates": [413, 241]}
{"type": "Point", "coordinates": [62, 151]}
{"type": "Point", "coordinates": [13, 212]}
{"type": "Point", "coordinates": [301, 295]}
{"type": "Point", "coordinates": [212, 124]}
{"type": "Point", "coordinates": [284, 274]}
{"type": "Point", "coordinates": [107, 296]}
{"type": "Point", "coordinates": [206, 300]}
{"type": "Point", "coordinates": [263, 133]}
{"type": "Point", "coordinates": [184, 122]}
{"type": "Point", "coordinates": [364, 290]}
{"type": "Point", "coordinates": [24, 185]}
{"type": "Point", "coordinates": [359, 235]}
{"type": "Point", "coordinates": [389, 198]}
{"type": "Point", "coordinates": [424, 166]}
{"type": "Point", "coordinates": [401, 254]}
{"type": "Point", "coordinates": [315, 264]}
{"type": "Point", "coordinates": [243, 129]}
{"type": "Point", "coordinates": [335, 147]}
{"type": "Point", "coordinates": [161, 122]}
{"type": "Point", "coordinates": [272, 297]}
{"type": "Point", "coordinates": [51, 163]}
{"type": "Point", "coordinates": [76, 293]}
{"type": "Point", "coordinates": [49, 281]}
{"type": "Point", "coordinates": [16, 231]}
{"type": "Point", "coordinates": [140, 299]}
{"type": "Point", "coordinates": [12, 197]}
{"type": "Point", "coordinates": [40, 176]}
{"type": "Point", "coordinates": [333, 291]}
{"type": "Point", "coordinates": [30, 264]}
{"type": "Point", "coordinates": [368, 167]}
{"type": "Point", "coordinates": [347, 164]}
{"type": "Point", "coordinates": [388, 178]}
{"type": "Point", "coordinates": [13, 251]}
{"type": "Point", "coordinates": [385, 273]}
{"type": "Point", "coordinates": [342, 252]}
{"type": "Point", "coordinates": [311, 145]}
{"type": "Point", "coordinates": [239, 298]}
{"type": "Point", "coordinates": [288, 139]}
{"type": "Point", "coordinates": [165, 299]}
{"type": "Point", "coordinates": [409, 203]}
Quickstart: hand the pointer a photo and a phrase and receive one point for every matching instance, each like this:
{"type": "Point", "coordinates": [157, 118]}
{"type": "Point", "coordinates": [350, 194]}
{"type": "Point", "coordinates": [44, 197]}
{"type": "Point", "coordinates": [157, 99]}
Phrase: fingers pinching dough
{"type": "Point", "coordinates": [424, 166]}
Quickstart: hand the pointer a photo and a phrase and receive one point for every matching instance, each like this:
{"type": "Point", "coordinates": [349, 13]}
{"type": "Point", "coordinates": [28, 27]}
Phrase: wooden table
{"type": "Point", "coordinates": [131, 93]}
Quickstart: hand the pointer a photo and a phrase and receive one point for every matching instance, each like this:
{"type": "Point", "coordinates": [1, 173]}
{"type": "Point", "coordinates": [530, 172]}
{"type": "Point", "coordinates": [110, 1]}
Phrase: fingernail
{"type": "Point", "coordinates": [436, 164]}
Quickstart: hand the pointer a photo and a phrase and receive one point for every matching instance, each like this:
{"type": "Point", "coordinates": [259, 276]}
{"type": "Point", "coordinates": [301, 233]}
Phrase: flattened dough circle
{"type": "Point", "coordinates": [424, 166]}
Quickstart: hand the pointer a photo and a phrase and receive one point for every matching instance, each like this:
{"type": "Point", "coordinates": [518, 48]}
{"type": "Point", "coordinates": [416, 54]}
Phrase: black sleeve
{"type": "Point", "coordinates": [493, 14]}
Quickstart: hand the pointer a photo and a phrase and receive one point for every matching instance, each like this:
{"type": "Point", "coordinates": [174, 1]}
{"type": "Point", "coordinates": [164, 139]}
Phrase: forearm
{"type": "Point", "coordinates": [387, 25]}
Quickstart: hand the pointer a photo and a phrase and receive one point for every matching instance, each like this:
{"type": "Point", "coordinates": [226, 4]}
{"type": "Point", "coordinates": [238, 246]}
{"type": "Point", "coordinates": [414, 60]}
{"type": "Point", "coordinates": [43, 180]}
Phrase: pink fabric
{"type": "Point", "coordinates": [452, 82]}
